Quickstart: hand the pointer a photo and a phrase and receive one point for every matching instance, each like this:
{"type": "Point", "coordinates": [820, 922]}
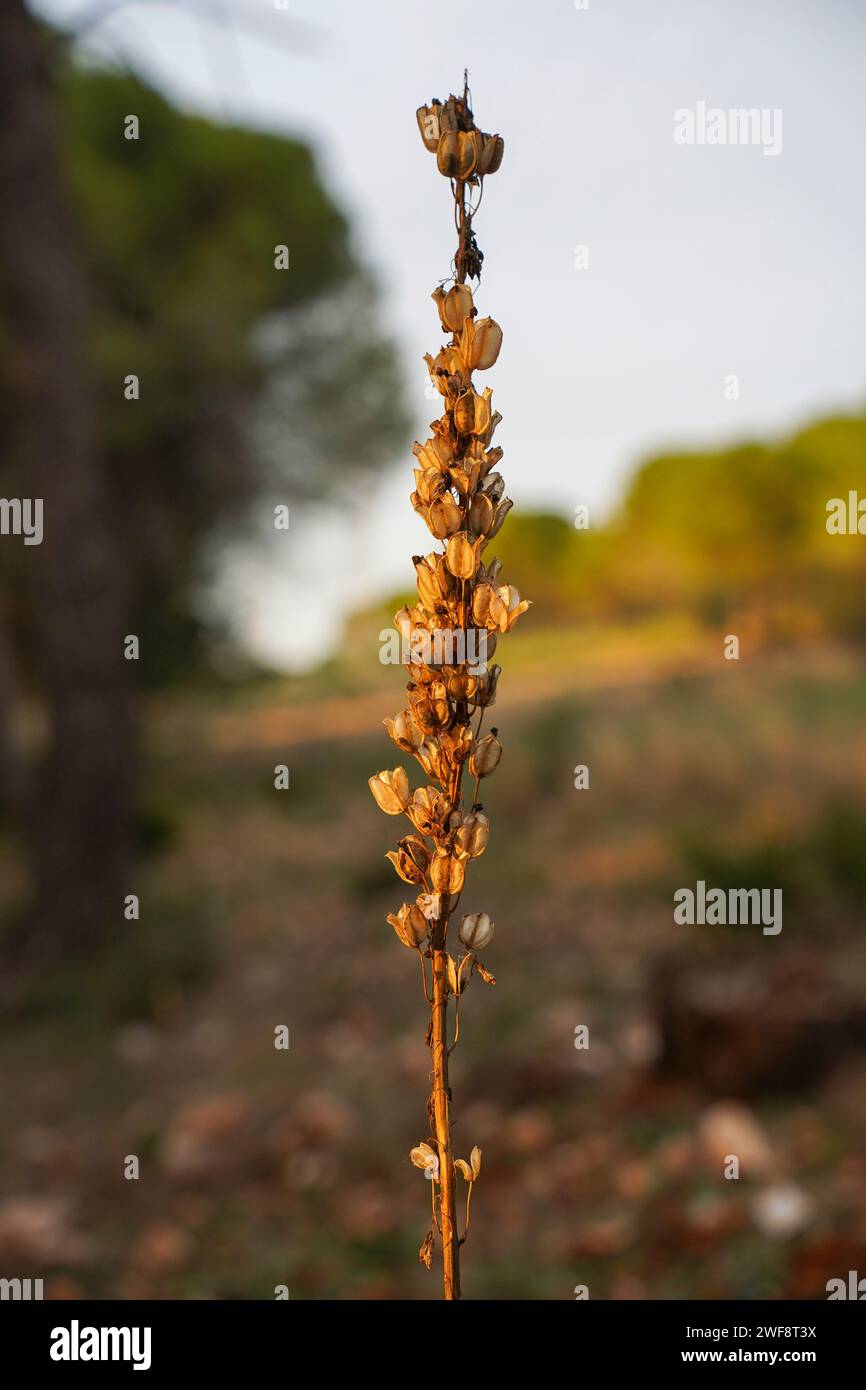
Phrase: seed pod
{"type": "Point", "coordinates": [429, 905]}
{"type": "Point", "coordinates": [391, 790]}
{"type": "Point", "coordinates": [486, 694]}
{"type": "Point", "coordinates": [404, 867]}
{"type": "Point", "coordinates": [485, 756]}
{"type": "Point", "coordinates": [456, 744]}
{"type": "Point", "coordinates": [405, 732]}
{"type": "Point", "coordinates": [417, 850]}
{"type": "Point", "coordinates": [494, 486]}
{"type": "Point", "coordinates": [428, 587]}
{"type": "Point", "coordinates": [476, 931]}
{"type": "Point", "coordinates": [472, 412]}
{"type": "Point", "coordinates": [482, 339]}
{"type": "Point", "coordinates": [506, 606]}
{"type": "Point", "coordinates": [475, 1161]}
{"type": "Point", "coordinates": [425, 1158]}
{"type": "Point", "coordinates": [481, 515]}
{"type": "Point", "coordinates": [492, 150]}
{"type": "Point", "coordinates": [473, 834]}
{"type": "Point", "coordinates": [428, 811]}
{"type": "Point", "coordinates": [428, 124]}
{"type": "Point", "coordinates": [444, 517]}
{"type": "Point", "coordinates": [495, 420]}
{"type": "Point", "coordinates": [431, 709]}
{"type": "Point", "coordinates": [442, 443]}
{"type": "Point", "coordinates": [461, 556]}
{"type": "Point", "coordinates": [405, 864]}
{"type": "Point", "coordinates": [429, 756]}
{"type": "Point", "coordinates": [434, 454]}
{"type": "Point", "coordinates": [462, 686]}
{"type": "Point", "coordinates": [481, 602]}
{"type": "Point", "coordinates": [465, 476]}
{"type": "Point", "coordinates": [489, 573]}
{"type": "Point", "coordinates": [502, 510]}
{"type": "Point", "coordinates": [410, 925]}
{"type": "Point", "coordinates": [447, 873]}
{"type": "Point", "coordinates": [458, 153]}
{"type": "Point", "coordinates": [453, 305]}
{"type": "Point", "coordinates": [429, 483]}
{"type": "Point", "coordinates": [457, 981]}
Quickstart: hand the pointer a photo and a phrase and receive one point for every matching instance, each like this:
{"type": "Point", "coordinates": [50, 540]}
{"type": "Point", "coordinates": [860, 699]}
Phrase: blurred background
{"type": "Point", "coordinates": [683, 356]}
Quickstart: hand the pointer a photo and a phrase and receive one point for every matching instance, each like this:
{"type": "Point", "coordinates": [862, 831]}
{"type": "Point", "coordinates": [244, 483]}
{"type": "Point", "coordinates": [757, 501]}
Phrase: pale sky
{"type": "Point", "coordinates": [704, 261]}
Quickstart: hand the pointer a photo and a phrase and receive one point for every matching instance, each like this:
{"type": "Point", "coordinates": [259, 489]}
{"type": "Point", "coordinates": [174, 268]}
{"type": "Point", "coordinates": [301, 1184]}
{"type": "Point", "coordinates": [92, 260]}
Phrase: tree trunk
{"type": "Point", "coordinates": [77, 586]}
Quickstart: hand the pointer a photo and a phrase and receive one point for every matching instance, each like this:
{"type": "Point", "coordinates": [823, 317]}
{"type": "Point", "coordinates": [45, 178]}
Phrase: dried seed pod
{"type": "Point", "coordinates": [428, 586]}
{"type": "Point", "coordinates": [410, 925]}
{"type": "Point", "coordinates": [502, 510]}
{"type": "Point", "coordinates": [462, 686]}
{"type": "Point", "coordinates": [495, 420]}
{"type": "Point", "coordinates": [473, 834]}
{"type": "Point", "coordinates": [472, 414]}
{"type": "Point", "coordinates": [391, 790]}
{"type": "Point", "coordinates": [444, 517]}
{"type": "Point", "coordinates": [506, 606]}
{"type": "Point", "coordinates": [435, 454]}
{"type": "Point", "coordinates": [429, 756]}
{"type": "Point", "coordinates": [428, 124]}
{"type": "Point", "coordinates": [486, 694]}
{"type": "Point", "coordinates": [482, 513]}
{"type": "Point", "coordinates": [447, 872]}
{"type": "Point", "coordinates": [457, 981]}
{"type": "Point", "coordinates": [429, 905]}
{"type": "Point", "coordinates": [485, 756]}
{"type": "Point", "coordinates": [480, 343]}
{"type": "Point", "coordinates": [433, 712]}
{"type": "Point", "coordinates": [475, 1161]}
{"type": "Point", "coordinates": [476, 931]}
{"type": "Point", "coordinates": [427, 1159]}
{"type": "Point", "coordinates": [492, 150]}
{"type": "Point", "coordinates": [430, 483]}
{"type": "Point", "coordinates": [461, 556]}
{"type": "Point", "coordinates": [455, 306]}
{"type": "Point", "coordinates": [405, 865]}
{"type": "Point", "coordinates": [404, 731]}
{"type": "Point", "coordinates": [489, 573]}
{"type": "Point", "coordinates": [481, 602]}
{"type": "Point", "coordinates": [458, 153]}
{"type": "Point", "coordinates": [428, 811]}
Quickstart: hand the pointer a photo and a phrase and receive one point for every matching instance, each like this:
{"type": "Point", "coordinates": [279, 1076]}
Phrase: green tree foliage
{"type": "Point", "coordinates": [719, 534]}
{"type": "Point", "coordinates": [253, 380]}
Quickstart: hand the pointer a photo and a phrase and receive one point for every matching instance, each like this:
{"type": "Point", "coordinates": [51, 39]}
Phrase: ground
{"type": "Point", "coordinates": [602, 1167]}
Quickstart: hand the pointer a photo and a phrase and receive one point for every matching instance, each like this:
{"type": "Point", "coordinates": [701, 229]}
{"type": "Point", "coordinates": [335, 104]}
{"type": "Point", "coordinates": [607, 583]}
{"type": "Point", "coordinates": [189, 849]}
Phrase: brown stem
{"type": "Point", "coordinates": [442, 1117]}
{"type": "Point", "coordinates": [463, 229]}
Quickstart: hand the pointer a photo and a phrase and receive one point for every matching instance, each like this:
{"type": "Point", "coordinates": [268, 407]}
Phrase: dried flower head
{"type": "Point", "coordinates": [460, 495]}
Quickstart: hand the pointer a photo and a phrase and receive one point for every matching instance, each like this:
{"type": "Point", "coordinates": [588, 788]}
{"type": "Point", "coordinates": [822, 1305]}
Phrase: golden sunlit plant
{"type": "Point", "coordinates": [448, 637]}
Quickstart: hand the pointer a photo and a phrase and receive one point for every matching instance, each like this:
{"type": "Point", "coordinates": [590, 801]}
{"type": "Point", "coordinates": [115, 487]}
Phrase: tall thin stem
{"type": "Point", "coordinates": [442, 1117]}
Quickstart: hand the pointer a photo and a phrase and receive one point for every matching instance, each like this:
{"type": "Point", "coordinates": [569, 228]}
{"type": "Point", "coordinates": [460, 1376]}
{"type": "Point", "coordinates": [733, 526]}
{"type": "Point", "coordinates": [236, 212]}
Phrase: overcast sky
{"type": "Point", "coordinates": [705, 261]}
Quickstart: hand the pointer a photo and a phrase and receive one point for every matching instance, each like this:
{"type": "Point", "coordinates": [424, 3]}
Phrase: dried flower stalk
{"type": "Point", "coordinates": [450, 635]}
